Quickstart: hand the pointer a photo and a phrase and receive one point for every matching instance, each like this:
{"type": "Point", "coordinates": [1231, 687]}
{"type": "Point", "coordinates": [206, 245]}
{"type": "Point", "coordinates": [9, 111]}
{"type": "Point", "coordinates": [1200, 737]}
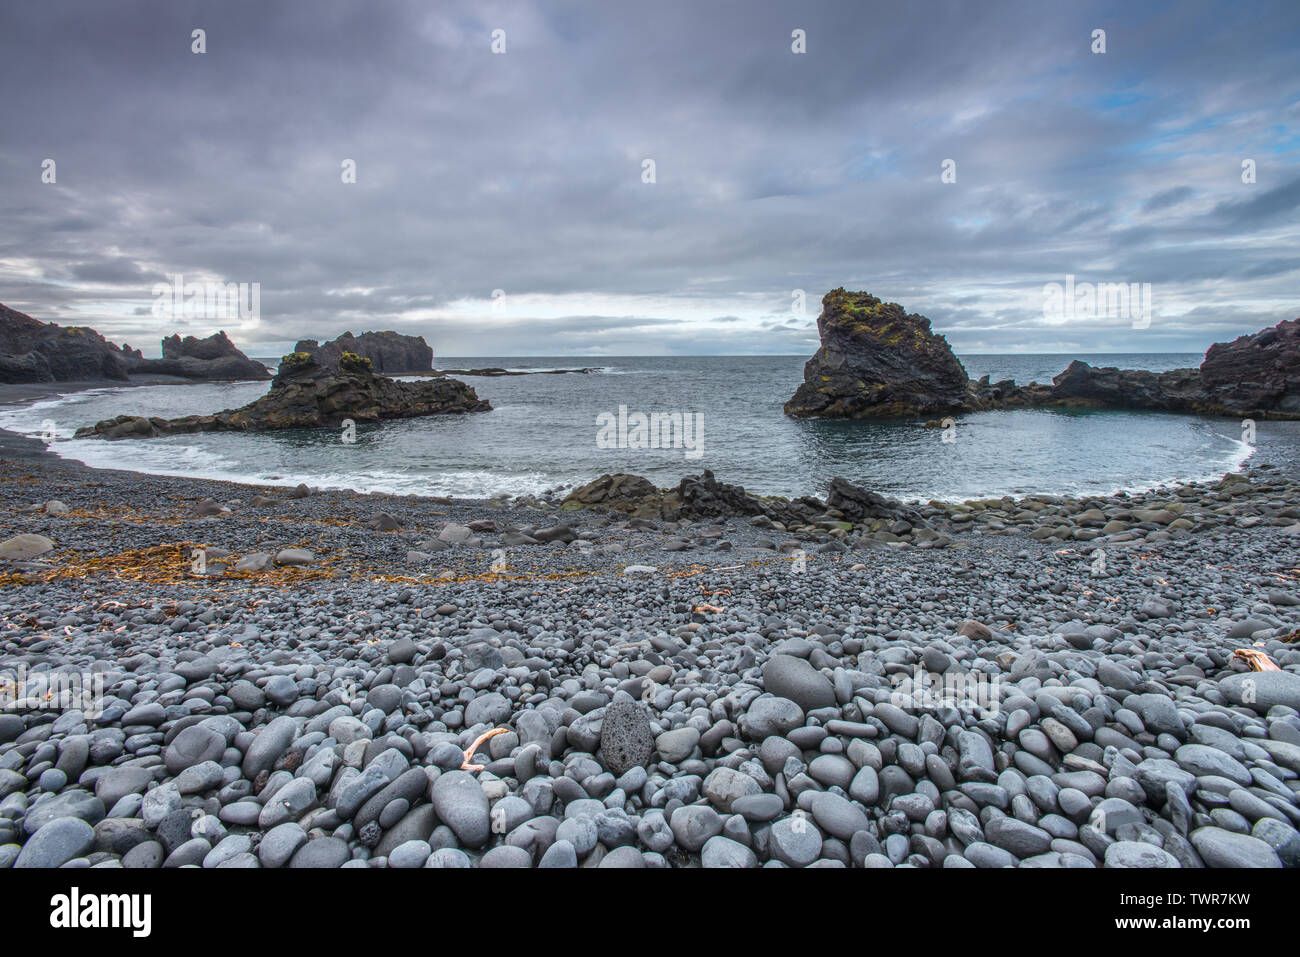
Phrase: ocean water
{"type": "Point", "coordinates": [545, 433]}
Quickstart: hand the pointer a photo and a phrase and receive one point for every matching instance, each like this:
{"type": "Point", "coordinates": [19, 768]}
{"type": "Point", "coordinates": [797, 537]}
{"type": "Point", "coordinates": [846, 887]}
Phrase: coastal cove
{"type": "Point", "coordinates": [542, 434]}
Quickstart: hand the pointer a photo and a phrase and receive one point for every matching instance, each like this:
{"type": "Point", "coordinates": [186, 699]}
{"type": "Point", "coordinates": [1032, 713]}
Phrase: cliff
{"type": "Point", "coordinates": [35, 351]}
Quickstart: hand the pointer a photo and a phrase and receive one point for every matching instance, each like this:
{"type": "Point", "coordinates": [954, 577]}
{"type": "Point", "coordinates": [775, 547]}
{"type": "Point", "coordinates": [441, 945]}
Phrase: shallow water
{"type": "Point", "coordinates": [543, 433]}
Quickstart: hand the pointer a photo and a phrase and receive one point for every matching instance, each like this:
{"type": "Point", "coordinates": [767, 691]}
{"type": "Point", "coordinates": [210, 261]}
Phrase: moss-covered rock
{"type": "Point", "coordinates": [308, 395]}
{"type": "Point", "coordinates": [877, 360]}
{"type": "Point", "coordinates": [351, 362]}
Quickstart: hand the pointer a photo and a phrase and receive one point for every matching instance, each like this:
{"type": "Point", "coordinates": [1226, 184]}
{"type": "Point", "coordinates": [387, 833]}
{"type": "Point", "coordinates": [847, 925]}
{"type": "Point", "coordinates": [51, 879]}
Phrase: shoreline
{"type": "Point", "coordinates": [21, 447]}
{"type": "Point", "coordinates": [14, 396]}
{"type": "Point", "coordinates": [17, 393]}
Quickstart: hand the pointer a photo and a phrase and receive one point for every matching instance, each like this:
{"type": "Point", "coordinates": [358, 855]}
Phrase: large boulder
{"type": "Point", "coordinates": [390, 353]}
{"type": "Point", "coordinates": [618, 492]}
{"type": "Point", "coordinates": [307, 395]}
{"type": "Point", "coordinates": [859, 504]}
{"type": "Point", "coordinates": [703, 496]}
{"type": "Point", "coordinates": [877, 360]}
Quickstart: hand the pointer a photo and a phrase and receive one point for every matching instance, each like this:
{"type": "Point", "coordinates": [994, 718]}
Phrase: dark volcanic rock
{"type": "Point", "coordinates": [1253, 374]}
{"type": "Point", "coordinates": [877, 360]}
{"type": "Point", "coordinates": [1256, 375]}
{"type": "Point", "coordinates": [1129, 388]}
{"type": "Point", "coordinates": [625, 738]}
{"type": "Point", "coordinates": [306, 395]}
{"type": "Point", "coordinates": [696, 497]}
{"type": "Point", "coordinates": [35, 351]}
{"type": "Point", "coordinates": [212, 358]}
{"type": "Point", "coordinates": [620, 492]}
{"type": "Point", "coordinates": [859, 504]}
{"type": "Point", "coordinates": [390, 353]}
{"type": "Point", "coordinates": [703, 496]}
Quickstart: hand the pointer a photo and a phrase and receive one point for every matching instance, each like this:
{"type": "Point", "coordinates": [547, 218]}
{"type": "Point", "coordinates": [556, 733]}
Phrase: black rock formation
{"type": "Point", "coordinates": [35, 351]}
{"type": "Point", "coordinates": [390, 353]}
{"type": "Point", "coordinates": [877, 361]}
{"type": "Point", "coordinates": [214, 358]}
{"type": "Point", "coordinates": [307, 395]}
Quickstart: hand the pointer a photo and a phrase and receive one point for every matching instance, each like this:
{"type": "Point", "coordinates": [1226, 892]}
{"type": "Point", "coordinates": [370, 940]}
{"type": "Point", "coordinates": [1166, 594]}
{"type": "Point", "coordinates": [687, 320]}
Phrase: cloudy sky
{"type": "Point", "coordinates": [524, 171]}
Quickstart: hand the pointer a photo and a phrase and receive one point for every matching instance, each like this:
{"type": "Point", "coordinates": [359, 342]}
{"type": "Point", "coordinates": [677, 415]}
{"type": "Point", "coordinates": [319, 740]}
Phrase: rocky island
{"type": "Point", "coordinates": [32, 351]}
{"type": "Point", "coordinates": [876, 361]}
{"type": "Point", "coordinates": [390, 353]}
{"type": "Point", "coordinates": [308, 395]}
{"type": "Point", "coordinates": [213, 358]}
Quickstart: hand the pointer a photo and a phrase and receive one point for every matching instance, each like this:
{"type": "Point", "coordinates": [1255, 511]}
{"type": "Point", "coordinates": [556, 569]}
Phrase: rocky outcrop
{"type": "Point", "coordinates": [1255, 373]}
{"type": "Point", "coordinates": [213, 358]}
{"type": "Point", "coordinates": [390, 353]}
{"type": "Point", "coordinates": [1239, 379]}
{"type": "Point", "coordinates": [35, 351]}
{"type": "Point", "coordinates": [1084, 386]}
{"type": "Point", "coordinates": [877, 360]}
{"type": "Point", "coordinates": [695, 497]}
{"type": "Point", "coordinates": [860, 505]}
{"type": "Point", "coordinates": [703, 497]}
{"type": "Point", "coordinates": [307, 395]}
{"type": "Point", "coordinates": [619, 492]}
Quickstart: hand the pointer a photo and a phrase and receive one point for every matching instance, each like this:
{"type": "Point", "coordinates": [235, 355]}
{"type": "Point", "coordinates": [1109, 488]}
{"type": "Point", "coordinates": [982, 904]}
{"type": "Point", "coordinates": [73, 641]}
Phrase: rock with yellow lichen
{"type": "Point", "coordinates": [308, 395]}
{"type": "Point", "coordinates": [877, 360]}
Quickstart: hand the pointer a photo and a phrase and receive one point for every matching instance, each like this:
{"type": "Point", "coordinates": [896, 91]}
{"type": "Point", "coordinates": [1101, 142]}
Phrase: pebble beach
{"type": "Point", "coordinates": [314, 678]}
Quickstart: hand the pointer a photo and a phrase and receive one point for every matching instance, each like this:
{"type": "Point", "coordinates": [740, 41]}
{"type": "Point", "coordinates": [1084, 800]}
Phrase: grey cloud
{"type": "Point", "coordinates": [522, 172]}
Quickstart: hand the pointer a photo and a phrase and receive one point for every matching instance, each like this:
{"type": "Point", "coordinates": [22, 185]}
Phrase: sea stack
{"type": "Point", "coordinates": [877, 360]}
{"type": "Point", "coordinates": [390, 353]}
